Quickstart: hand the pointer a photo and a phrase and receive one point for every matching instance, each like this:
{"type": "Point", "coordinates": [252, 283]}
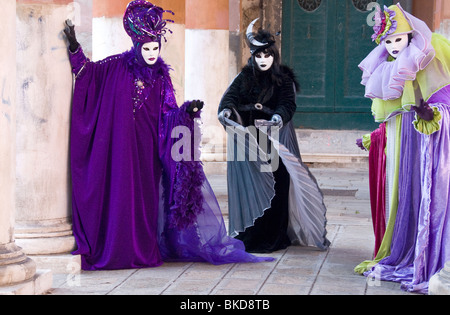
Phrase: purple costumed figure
{"type": "Point", "coordinates": [134, 204]}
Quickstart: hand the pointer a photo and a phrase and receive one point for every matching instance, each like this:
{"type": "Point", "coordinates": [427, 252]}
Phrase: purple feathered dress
{"type": "Point", "coordinates": [133, 205]}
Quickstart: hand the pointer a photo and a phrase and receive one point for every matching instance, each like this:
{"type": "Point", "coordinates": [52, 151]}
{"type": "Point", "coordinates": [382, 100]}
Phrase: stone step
{"type": "Point", "coordinates": [334, 182]}
{"type": "Point", "coordinates": [318, 148]}
{"type": "Point", "coordinates": [317, 160]}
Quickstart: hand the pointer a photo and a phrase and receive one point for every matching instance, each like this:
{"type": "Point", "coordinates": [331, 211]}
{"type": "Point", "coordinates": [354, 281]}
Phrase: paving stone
{"type": "Point", "coordinates": [283, 289]}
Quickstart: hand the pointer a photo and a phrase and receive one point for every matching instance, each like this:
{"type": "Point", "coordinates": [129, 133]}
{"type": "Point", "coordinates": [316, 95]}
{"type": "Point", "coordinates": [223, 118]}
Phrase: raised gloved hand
{"type": "Point", "coordinates": [277, 120]}
{"type": "Point", "coordinates": [424, 110]}
{"type": "Point", "coordinates": [195, 106]}
{"type": "Point", "coordinates": [226, 113]}
{"type": "Point", "coordinates": [359, 143]}
{"type": "Point", "coordinates": [69, 30]}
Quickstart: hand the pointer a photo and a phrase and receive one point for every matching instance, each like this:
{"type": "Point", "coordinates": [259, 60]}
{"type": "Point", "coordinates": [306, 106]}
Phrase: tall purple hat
{"type": "Point", "coordinates": [143, 22]}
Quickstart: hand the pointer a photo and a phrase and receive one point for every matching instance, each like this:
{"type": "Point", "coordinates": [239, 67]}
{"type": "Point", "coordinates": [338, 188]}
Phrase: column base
{"type": "Point", "coordinates": [15, 266]}
{"type": "Point", "coordinates": [45, 239]}
{"type": "Point", "coordinates": [440, 282]}
{"type": "Point", "coordinates": [39, 284]}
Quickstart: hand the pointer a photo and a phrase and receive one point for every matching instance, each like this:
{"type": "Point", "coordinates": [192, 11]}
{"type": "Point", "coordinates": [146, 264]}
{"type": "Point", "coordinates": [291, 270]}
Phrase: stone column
{"type": "Point", "coordinates": [251, 9]}
{"type": "Point", "coordinates": [207, 67]}
{"type": "Point", "coordinates": [440, 282]}
{"type": "Point", "coordinates": [44, 91]}
{"type": "Point", "coordinates": [108, 35]}
{"type": "Point", "coordinates": [15, 266]}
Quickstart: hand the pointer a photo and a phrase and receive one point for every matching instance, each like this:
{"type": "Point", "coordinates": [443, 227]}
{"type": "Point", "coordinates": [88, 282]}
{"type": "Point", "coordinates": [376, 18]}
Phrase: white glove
{"type": "Point", "coordinates": [277, 120]}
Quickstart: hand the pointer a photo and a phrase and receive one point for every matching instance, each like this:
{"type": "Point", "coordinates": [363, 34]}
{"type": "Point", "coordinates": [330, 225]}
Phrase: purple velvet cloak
{"type": "Point", "coordinates": [133, 205]}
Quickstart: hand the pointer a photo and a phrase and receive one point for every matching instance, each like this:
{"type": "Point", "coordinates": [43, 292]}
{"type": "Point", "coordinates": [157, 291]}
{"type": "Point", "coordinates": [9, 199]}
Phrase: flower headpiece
{"type": "Point", "coordinates": [385, 24]}
{"type": "Point", "coordinates": [390, 22]}
{"type": "Point", "coordinates": [143, 21]}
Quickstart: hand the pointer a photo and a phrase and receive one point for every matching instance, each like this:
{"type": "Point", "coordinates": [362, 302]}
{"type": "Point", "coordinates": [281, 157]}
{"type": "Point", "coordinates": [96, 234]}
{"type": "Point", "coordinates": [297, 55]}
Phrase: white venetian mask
{"type": "Point", "coordinates": [395, 44]}
{"type": "Point", "coordinates": [150, 52]}
{"type": "Point", "coordinates": [264, 60]}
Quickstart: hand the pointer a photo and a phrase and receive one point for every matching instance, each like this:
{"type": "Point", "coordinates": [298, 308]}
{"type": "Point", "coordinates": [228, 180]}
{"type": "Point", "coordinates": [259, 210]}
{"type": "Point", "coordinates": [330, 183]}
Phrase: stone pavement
{"type": "Point", "coordinates": [296, 270]}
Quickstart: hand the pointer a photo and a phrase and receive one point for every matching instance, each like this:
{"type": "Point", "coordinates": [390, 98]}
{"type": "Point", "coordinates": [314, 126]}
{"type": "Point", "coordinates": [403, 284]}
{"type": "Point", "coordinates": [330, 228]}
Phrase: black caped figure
{"type": "Point", "coordinates": [274, 200]}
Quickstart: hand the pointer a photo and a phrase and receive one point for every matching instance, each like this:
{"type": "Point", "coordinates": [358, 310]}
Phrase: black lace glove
{"type": "Point", "coordinates": [69, 30]}
{"type": "Point", "coordinates": [195, 106]}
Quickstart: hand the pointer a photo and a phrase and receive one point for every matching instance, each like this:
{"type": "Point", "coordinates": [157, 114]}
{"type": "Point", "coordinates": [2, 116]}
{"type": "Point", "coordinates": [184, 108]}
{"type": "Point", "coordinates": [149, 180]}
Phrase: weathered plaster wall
{"type": "Point", "coordinates": [43, 92]}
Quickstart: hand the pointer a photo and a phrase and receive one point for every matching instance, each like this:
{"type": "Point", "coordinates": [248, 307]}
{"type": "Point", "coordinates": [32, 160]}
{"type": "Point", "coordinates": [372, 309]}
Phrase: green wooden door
{"type": "Point", "coordinates": [324, 41]}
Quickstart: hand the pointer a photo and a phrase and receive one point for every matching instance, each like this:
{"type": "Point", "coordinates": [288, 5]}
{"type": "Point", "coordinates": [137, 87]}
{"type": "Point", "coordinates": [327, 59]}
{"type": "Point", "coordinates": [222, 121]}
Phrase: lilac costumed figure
{"type": "Point", "coordinates": [408, 79]}
{"type": "Point", "coordinates": [134, 205]}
